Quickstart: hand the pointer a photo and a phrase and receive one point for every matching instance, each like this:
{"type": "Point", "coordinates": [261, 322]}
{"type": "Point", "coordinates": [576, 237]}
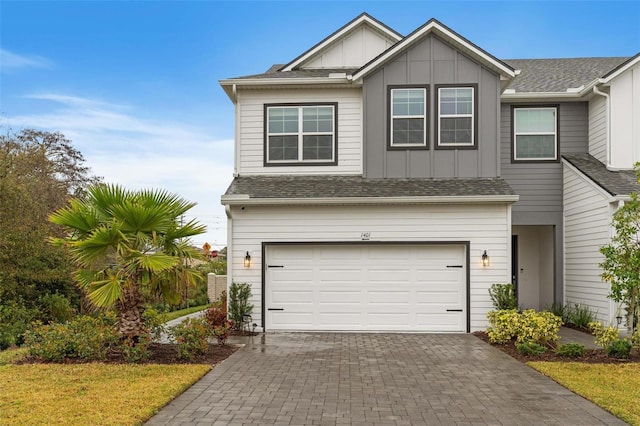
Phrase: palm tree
{"type": "Point", "coordinates": [125, 241]}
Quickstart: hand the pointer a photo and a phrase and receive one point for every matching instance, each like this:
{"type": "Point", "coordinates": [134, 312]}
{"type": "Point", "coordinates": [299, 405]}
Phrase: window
{"type": "Point", "coordinates": [535, 136]}
{"type": "Point", "coordinates": [408, 112]}
{"type": "Point", "coordinates": [300, 134]}
{"type": "Point", "coordinates": [456, 116]}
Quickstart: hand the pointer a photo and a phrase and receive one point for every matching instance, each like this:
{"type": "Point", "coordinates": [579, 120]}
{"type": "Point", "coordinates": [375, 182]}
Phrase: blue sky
{"type": "Point", "coordinates": [134, 84]}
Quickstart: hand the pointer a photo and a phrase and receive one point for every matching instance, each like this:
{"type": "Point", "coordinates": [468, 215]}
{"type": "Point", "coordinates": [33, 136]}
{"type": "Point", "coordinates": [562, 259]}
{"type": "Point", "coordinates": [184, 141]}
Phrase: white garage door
{"type": "Point", "coordinates": [366, 287]}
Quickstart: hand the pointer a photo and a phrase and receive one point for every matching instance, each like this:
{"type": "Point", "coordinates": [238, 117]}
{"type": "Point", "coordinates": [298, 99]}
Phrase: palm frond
{"type": "Point", "coordinates": [156, 262]}
{"type": "Point", "coordinates": [106, 292]}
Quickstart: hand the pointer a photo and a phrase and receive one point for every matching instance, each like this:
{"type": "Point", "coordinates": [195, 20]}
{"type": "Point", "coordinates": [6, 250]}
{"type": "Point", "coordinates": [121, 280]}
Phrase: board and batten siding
{"type": "Point", "coordinates": [587, 218]}
{"type": "Point", "coordinates": [429, 62]}
{"type": "Point", "coordinates": [625, 119]}
{"type": "Point", "coordinates": [251, 130]}
{"type": "Point", "coordinates": [352, 51]}
{"type": "Point", "coordinates": [598, 128]}
{"type": "Point", "coordinates": [486, 227]}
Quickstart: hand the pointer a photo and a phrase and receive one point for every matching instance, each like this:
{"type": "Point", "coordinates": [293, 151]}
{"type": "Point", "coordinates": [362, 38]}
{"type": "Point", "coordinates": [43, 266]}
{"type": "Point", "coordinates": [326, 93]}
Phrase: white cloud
{"type": "Point", "coordinates": [10, 61]}
{"type": "Point", "coordinates": [138, 152]}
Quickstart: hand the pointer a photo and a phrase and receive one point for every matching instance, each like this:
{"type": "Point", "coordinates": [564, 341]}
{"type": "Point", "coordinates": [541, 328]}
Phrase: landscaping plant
{"type": "Point", "coordinates": [239, 306]}
{"type": "Point", "coordinates": [191, 336]}
{"type": "Point", "coordinates": [527, 326]}
{"type": "Point", "coordinates": [620, 348]}
{"type": "Point", "coordinates": [580, 315]}
{"type": "Point", "coordinates": [571, 350]}
{"type": "Point", "coordinates": [530, 348]}
{"type": "Point", "coordinates": [503, 296]}
{"type": "Point", "coordinates": [125, 240]}
{"type": "Point", "coordinates": [604, 335]}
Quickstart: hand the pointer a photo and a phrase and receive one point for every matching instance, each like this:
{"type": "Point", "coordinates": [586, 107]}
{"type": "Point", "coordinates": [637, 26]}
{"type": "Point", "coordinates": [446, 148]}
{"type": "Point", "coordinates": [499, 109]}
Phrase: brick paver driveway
{"type": "Point", "coordinates": [340, 379]}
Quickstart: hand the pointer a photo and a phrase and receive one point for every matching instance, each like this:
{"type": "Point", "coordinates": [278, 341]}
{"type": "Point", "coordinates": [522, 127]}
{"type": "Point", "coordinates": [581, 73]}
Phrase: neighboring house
{"type": "Point", "coordinates": [385, 182]}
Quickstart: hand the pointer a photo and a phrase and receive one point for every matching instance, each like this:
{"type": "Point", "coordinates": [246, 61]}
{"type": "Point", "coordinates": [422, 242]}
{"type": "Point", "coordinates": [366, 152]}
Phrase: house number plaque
{"type": "Point", "coordinates": [365, 236]}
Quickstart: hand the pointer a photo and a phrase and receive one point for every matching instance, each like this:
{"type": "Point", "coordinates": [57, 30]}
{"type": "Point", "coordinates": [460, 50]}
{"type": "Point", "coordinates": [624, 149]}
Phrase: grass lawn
{"type": "Point", "coordinates": [186, 311]}
{"type": "Point", "coordinates": [90, 394]}
{"type": "Point", "coordinates": [614, 387]}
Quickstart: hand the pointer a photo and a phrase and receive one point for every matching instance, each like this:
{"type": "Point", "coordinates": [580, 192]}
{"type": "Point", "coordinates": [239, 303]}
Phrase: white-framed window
{"type": "Point", "coordinates": [408, 114]}
{"type": "Point", "coordinates": [456, 116]}
{"type": "Point", "coordinates": [300, 134]}
{"type": "Point", "coordinates": [535, 133]}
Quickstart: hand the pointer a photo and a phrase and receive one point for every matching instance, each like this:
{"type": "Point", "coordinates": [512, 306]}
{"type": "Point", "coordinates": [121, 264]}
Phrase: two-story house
{"type": "Point", "coordinates": [385, 182]}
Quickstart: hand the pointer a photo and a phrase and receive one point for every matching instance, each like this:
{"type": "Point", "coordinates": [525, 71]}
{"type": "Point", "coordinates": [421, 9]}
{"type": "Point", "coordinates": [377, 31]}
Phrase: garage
{"type": "Point", "coordinates": [366, 287]}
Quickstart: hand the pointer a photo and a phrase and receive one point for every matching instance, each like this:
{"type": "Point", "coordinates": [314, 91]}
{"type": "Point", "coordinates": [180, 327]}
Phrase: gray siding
{"type": "Point", "coordinates": [431, 61]}
{"type": "Point", "coordinates": [539, 185]}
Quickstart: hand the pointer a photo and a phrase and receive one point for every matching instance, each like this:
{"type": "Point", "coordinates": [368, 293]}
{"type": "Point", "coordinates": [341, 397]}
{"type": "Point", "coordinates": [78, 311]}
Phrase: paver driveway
{"type": "Point", "coordinates": [340, 379]}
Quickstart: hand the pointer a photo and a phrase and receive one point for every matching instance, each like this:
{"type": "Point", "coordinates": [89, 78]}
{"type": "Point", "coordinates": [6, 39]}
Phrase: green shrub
{"type": "Point", "coordinates": [581, 315]}
{"type": "Point", "coordinates": [55, 308]}
{"type": "Point", "coordinates": [604, 335]}
{"type": "Point", "coordinates": [216, 314]}
{"type": "Point", "coordinates": [530, 348]}
{"type": "Point", "coordinates": [239, 306]}
{"type": "Point", "coordinates": [620, 348]}
{"type": "Point", "coordinates": [527, 326]}
{"type": "Point", "coordinates": [84, 337]}
{"type": "Point", "coordinates": [134, 351]}
{"type": "Point", "coordinates": [154, 321]}
{"type": "Point", "coordinates": [14, 322]}
{"type": "Point", "coordinates": [503, 296]}
{"type": "Point", "coordinates": [191, 336]}
{"type": "Point", "coordinates": [571, 350]}
{"type": "Point", "coordinates": [635, 339]}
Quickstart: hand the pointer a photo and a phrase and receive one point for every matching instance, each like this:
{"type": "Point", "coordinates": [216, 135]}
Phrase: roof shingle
{"type": "Point", "coordinates": [621, 182]}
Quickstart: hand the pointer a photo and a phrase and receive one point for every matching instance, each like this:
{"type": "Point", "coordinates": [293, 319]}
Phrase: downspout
{"type": "Point", "coordinates": [230, 256]}
{"type": "Point", "coordinates": [236, 132]}
{"type": "Point", "coordinates": [608, 122]}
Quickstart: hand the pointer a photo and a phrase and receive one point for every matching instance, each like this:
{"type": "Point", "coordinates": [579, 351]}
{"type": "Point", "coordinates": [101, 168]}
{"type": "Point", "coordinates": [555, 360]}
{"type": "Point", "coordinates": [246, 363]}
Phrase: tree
{"type": "Point", "coordinates": [126, 243]}
{"type": "Point", "coordinates": [621, 265]}
{"type": "Point", "coordinates": [39, 172]}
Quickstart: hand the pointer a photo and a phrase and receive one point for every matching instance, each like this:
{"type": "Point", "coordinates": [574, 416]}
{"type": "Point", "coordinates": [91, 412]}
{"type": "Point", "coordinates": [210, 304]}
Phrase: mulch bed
{"type": "Point", "coordinates": [161, 353]}
{"type": "Point", "coordinates": [591, 356]}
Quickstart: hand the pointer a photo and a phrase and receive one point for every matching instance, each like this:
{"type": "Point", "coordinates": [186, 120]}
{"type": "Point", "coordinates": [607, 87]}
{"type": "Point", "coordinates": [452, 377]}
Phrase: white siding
{"type": "Point", "coordinates": [587, 219]}
{"type": "Point", "coordinates": [251, 129]}
{"type": "Point", "coordinates": [598, 128]}
{"type": "Point", "coordinates": [625, 119]}
{"type": "Point", "coordinates": [486, 227]}
{"type": "Point", "coordinates": [352, 51]}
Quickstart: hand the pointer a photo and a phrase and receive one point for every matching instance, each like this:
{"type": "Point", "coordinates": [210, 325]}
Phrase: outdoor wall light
{"type": "Point", "coordinates": [485, 259]}
{"type": "Point", "coordinates": [247, 260]}
{"type": "Point", "coordinates": [619, 319]}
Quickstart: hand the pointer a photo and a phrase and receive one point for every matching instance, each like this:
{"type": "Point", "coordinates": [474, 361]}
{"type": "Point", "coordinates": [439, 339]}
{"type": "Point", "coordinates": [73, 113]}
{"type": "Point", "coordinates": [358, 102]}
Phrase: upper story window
{"type": "Point", "coordinates": [300, 134]}
{"type": "Point", "coordinates": [408, 112]}
{"type": "Point", "coordinates": [456, 116]}
{"type": "Point", "coordinates": [535, 133]}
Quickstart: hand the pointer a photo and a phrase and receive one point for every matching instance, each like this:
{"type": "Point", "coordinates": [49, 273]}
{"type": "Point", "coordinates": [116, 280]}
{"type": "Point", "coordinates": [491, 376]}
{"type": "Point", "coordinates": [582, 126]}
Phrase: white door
{"type": "Point", "coordinates": [366, 287]}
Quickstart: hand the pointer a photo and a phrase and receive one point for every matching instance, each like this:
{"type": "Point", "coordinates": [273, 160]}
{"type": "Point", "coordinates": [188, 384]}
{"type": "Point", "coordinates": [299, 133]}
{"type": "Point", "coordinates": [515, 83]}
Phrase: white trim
{"type": "Point", "coordinates": [245, 199]}
{"type": "Point", "coordinates": [435, 27]}
{"type": "Point", "coordinates": [364, 19]}
{"type": "Point", "coordinates": [554, 133]}
{"type": "Point", "coordinates": [632, 62]}
{"type": "Point", "coordinates": [610, 198]}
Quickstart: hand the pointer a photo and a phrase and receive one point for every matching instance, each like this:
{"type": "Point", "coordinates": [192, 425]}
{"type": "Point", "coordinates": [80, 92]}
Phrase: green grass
{"type": "Point", "coordinates": [177, 314]}
{"type": "Point", "coordinates": [614, 387]}
{"type": "Point", "coordinates": [90, 394]}
{"type": "Point", "coordinates": [13, 355]}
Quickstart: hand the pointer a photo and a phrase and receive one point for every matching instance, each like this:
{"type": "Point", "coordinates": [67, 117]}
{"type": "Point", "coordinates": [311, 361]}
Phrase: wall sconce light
{"type": "Point", "coordinates": [619, 319]}
{"type": "Point", "coordinates": [485, 259]}
{"type": "Point", "coordinates": [247, 260]}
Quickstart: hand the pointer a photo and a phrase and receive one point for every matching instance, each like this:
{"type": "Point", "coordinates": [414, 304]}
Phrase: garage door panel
{"type": "Point", "coordinates": [366, 287]}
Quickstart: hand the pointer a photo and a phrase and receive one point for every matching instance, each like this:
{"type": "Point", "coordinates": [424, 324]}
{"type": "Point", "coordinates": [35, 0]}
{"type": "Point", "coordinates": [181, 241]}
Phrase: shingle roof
{"type": "Point", "coordinates": [306, 73]}
{"type": "Point", "coordinates": [620, 182]}
{"type": "Point", "coordinates": [354, 186]}
{"type": "Point", "coordinates": [557, 75]}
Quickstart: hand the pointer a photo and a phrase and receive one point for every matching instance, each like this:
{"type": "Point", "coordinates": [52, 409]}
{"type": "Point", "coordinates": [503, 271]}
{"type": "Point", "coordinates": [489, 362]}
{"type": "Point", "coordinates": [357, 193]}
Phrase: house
{"type": "Point", "coordinates": [383, 182]}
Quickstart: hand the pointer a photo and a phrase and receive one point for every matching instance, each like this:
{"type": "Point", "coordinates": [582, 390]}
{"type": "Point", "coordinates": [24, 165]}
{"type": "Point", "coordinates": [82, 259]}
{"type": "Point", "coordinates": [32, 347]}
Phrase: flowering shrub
{"type": "Point", "coordinates": [527, 326]}
{"type": "Point", "coordinates": [604, 335]}
{"type": "Point", "coordinates": [191, 336]}
{"type": "Point", "coordinates": [221, 332]}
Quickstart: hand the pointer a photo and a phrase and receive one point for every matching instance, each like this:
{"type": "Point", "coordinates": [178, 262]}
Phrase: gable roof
{"type": "Point", "coordinates": [358, 21]}
{"type": "Point", "coordinates": [356, 189]}
{"type": "Point", "coordinates": [616, 183]}
{"type": "Point", "coordinates": [433, 26]}
{"type": "Point", "coordinates": [558, 75]}
{"type": "Point", "coordinates": [622, 68]}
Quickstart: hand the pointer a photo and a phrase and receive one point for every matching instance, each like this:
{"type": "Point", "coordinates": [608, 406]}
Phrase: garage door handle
{"type": "Point", "coordinates": [275, 309]}
{"type": "Point", "coordinates": [275, 266]}
{"type": "Point", "coordinates": [454, 266]}
{"type": "Point", "coordinates": [454, 310]}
